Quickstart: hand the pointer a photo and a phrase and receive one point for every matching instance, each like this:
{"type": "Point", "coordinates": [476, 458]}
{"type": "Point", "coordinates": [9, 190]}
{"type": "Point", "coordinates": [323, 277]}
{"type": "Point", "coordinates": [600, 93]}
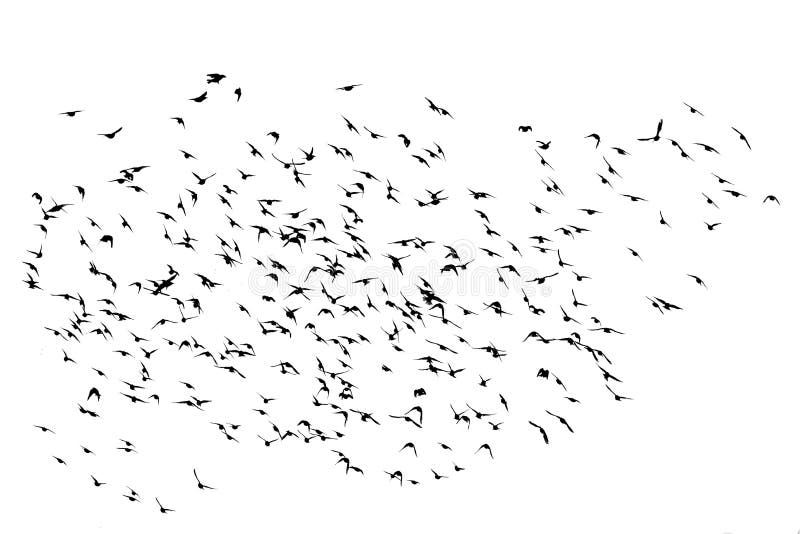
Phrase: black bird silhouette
{"type": "Point", "coordinates": [200, 484]}
{"type": "Point", "coordinates": [161, 507]}
{"type": "Point", "coordinates": [541, 431]}
{"type": "Point", "coordinates": [112, 134]}
{"type": "Point", "coordinates": [742, 137]}
{"type": "Point", "coordinates": [657, 136]}
{"type": "Point", "coordinates": [692, 109]}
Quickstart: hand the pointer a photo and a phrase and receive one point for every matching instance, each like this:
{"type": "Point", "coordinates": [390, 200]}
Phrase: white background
{"type": "Point", "coordinates": [710, 443]}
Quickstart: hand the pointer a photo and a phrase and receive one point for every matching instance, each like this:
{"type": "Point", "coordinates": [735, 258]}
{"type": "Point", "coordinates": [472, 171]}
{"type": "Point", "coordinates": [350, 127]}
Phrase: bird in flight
{"type": "Point", "coordinates": [111, 135]}
{"type": "Point", "coordinates": [200, 485]}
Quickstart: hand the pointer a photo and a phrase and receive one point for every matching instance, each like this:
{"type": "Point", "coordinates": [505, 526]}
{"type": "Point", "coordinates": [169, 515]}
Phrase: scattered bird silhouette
{"type": "Point", "coordinates": [200, 484]}
{"type": "Point", "coordinates": [113, 134]}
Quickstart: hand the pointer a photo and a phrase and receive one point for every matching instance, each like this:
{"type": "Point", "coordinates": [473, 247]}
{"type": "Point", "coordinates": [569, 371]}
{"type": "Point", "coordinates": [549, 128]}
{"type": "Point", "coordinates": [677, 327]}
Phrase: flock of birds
{"type": "Point", "coordinates": [128, 326]}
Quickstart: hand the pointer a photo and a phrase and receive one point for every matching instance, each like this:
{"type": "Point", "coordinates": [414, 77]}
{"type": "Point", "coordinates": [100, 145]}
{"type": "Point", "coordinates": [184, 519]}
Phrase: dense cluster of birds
{"type": "Point", "coordinates": [246, 299]}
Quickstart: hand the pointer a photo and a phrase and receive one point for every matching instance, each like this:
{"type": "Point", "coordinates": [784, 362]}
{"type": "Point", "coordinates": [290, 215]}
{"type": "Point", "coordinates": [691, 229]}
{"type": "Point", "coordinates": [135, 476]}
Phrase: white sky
{"type": "Point", "coordinates": [710, 443]}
